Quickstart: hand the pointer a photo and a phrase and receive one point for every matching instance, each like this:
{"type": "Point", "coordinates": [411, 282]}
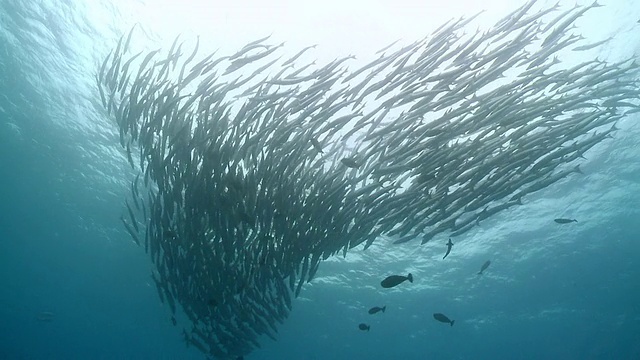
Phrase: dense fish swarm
{"type": "Point", "coordinates": [253, 170]}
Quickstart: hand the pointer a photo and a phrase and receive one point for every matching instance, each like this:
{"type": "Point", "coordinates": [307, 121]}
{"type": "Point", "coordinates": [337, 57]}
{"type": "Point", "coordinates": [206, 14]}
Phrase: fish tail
{"type": "Point", "coordinates": [410, 277]}
{"type": "Point", "coordinates": [577, 169]}
{"type": "Point", "coordinates": [384, 308]}
{"type": "Point", "coordinates": [480, 273]}
{"type": "Point", "coordinates": [452, 321]}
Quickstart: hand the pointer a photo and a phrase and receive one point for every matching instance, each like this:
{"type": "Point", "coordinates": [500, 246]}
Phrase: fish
{"type": "Point", "coordinates": [350, 163]}
{"type": "Point", "coordinates": [449, 246]}
{"type": "Point", "coordinates": [564, 221]}
{"type": "Point", "coordinates": [395, 280]}
{"type": "Point", "coordinates": [443, 318]}
{"type": "Point", "coordinates": [293, 58]}
{"type": "Point", "coordinates": [364, 327]}
{"type": "Point", "coordinates": [241, 208]}
{"type": "Point", "coordinates": [484, 266]}
{"type": "Point", "coordinates": [593, 45]}
{"type": "Point", "coordinates": [316, 145]}
{"type": "Point", "coordinates": [377, 309]}
{"type": "Point", "coordinates": [132, 217]}
{"type": "Point", "coordinates": [130, 230]}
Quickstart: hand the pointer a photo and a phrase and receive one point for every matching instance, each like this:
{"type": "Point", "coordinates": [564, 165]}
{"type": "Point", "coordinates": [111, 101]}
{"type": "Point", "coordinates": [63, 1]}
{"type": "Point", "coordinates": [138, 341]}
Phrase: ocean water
{"type": "Point", "coordinates": [74, 286]}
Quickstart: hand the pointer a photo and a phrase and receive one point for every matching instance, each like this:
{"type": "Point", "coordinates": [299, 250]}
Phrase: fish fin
{"type": "Point", "coordinates": [410, 277]}
{"type": "Point", "coordinates": [577, 169]}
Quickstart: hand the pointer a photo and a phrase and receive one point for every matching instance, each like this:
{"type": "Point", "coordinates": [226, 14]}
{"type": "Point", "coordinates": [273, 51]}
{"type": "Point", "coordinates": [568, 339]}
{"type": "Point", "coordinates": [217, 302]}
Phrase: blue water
{"type": "Point", "coordinates": [74, 286]}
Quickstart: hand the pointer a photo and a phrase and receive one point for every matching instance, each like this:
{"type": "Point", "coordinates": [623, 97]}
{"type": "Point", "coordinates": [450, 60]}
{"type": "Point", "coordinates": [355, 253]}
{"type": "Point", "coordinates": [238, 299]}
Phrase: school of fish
{"type": "Point", "coordinates": [252, 169]}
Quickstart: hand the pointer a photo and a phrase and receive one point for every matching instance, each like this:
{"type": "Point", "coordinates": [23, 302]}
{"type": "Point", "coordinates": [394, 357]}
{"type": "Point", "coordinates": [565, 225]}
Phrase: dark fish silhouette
{"type": "Point", "coordinates": [449, 246]}
{"type": "Point", "coordinates": [350, 162]}
{"type": "Point", "coordinates": [484, 266]}
{"type": "Point", "coordinates": [394, 280]}
{"type": "Point", "coordinates": [377, 309]}
{"type": "Point", "coordinates": [443, 318]}
{"type": "Point", "coordinates": [316, 145]}
{"type": "Point", "coordinates": [564, 221]}
{"type": "Point", "coordinates": [364, 327]}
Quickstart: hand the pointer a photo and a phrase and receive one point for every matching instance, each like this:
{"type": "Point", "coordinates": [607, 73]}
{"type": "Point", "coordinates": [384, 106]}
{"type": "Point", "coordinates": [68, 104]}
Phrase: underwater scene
{"type": "Point", "coordinates": [320, 180]}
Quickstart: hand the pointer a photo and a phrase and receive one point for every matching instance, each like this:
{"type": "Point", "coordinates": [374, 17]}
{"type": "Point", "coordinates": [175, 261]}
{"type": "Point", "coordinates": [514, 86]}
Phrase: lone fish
{"type": "Point", "coordinates": [449, 246]}
{"type": "Point", "coordinates": [377, 309]}
{"type": "Point", "coordinates": [484, 266]}
{"type": "Point", "coordinates": [443, 318]}
{"type": "Point", "coordinates": [394, 280]}
{"type": "Point", "coordinates": [364, 327]}
{"type": "Point", "coordinates": [316, 145]}
{"type": "Point", "coordinates": [564, 221]}
{"type": "Point", "coordinates": [350, 163]}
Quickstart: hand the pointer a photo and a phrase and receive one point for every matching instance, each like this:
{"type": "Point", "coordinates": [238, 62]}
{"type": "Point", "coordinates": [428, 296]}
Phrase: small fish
{"type": "Point", "coordinates": [394, 280]}
{"type": "Point", "coordinates": [424, 178]}
{"type": "Point", "coordinates": [377, 309]}
{"type": "Point", "coordinates": [350, 163]}
{"type": "Point", "coordinates": [364, 327]}
{"type": "Point", "coordinates": [564, 221]}
{"type": "Point", "coordinates": [449, 246]}
{"type": "Point", "coordinates": [316, 145]}
{"type": "Point", "coordinates": [443, 318]}
{"type": "Point", "coordinates": [484, 266]}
